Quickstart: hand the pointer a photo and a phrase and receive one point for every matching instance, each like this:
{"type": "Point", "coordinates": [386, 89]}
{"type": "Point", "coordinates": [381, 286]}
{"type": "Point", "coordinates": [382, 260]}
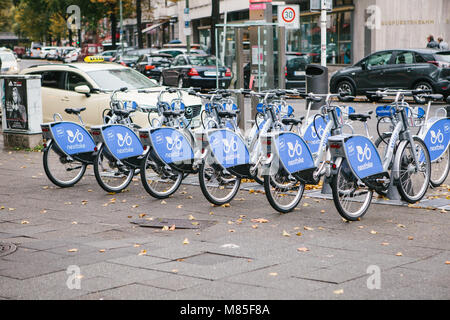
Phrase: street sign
{"type": "Point", "coordinates": [289, 16]}
{"type": "Point", "coordinates": [315, 5]}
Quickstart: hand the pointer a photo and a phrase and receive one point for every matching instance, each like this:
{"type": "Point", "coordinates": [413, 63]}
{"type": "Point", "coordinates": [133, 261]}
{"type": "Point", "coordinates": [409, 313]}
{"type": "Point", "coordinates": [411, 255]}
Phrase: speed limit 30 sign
{"type": "Point", "coordinates": [289, 16]}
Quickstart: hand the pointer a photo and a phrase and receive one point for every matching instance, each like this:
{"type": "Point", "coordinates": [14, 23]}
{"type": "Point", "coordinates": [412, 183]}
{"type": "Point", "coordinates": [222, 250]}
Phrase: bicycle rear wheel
{"type": "Point", "coordinates": [111, 176]}
{"type": "Point", "coordinates": [440, 169]}
{"type": "Point", "coordinates": [217, 186]}
{"type": "Point", "coordinates": [350, 196]}
{"type": "Point", "coordinates": [282, 192]}
{"type": "Point", "coordinates": [62, 171]}
{"type": "Point", "coordinates": [413, 184]}
{"type": "Point", "coordinates": [159, 181]}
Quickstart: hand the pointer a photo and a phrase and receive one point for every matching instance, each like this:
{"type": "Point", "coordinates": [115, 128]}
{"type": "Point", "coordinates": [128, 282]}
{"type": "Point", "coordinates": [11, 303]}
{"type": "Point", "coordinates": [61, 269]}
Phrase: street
{"type": "Point", "coordinates": [82, 243]}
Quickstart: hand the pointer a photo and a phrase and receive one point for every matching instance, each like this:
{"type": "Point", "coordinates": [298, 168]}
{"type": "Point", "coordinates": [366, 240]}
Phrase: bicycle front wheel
{"type": "Point", "coordinates": [111, 176]}
{"type": "Point", "coordinates": [61, 170]}
{"type": "Point", "coordinates": [217, 186]}
{"type": "Point", "coordinates": [414, 177]}
{"type": "Point", "coordinates": [350, 196]}
{"type": "Point", "coordinates": [282, 192]}
{"type": "Point", "coordinates": [439, 169]}
{"type": "Point", "coordinates": [159, 181]}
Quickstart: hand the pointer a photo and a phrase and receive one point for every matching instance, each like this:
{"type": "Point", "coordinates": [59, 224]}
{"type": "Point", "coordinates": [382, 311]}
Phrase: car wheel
{"type": "Point", "coordinates": [346, 87]}
{"type": "Point", "coordinates": [180, 83]}
{"type": "Point", "coordinates": [422, 85]}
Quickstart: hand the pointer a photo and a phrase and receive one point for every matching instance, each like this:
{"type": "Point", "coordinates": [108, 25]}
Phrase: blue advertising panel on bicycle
{"type": "Point", "coordinates": [437, 138]}
{"type": "Point", "coordinates": [311, 137]}
{"type": "Point", "coordinates": [122, 141]}
{"type": "Point", "coordinates": [171, 145]}
{"type": "Point", "coordinates": [363, 157]}
{"type": "Point", "coordinates": [385, 111]}
{"type": "Point", "coordinates": [294, 152]}
{"type": "Point", "coordinates": [72, 138]}
{"type": "Point", "coordinates": [228, 148]}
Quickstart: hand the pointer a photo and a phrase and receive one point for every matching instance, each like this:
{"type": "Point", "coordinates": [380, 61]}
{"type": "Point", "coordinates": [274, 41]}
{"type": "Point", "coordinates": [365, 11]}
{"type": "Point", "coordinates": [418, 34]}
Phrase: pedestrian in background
{"type": "Point", "coordinates": [442, 44]}
{"type": "Point", "coordinates": [432, 43]}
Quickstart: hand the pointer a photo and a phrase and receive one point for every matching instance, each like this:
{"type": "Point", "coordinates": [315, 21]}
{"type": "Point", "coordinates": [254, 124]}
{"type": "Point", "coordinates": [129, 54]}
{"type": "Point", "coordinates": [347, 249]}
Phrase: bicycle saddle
{"type": "Point", "coordinates": [292, 121]}
{"type": "Point", "coordinates": [360, 116]}
{"type": "Point", "coordinates": [432, 97]}
{"type": "Point", "coordinates": [227, 114]}
{"type": "Point", "coordinates": [175, 113]}
{"type": "Point", "coordinates": [123, 113]}
{"type": "Point", "coordinates": [74, 110]}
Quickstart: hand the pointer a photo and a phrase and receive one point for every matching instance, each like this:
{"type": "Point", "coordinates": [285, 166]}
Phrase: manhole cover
{"type": "Point", "coordinates": [179, 223]}
{"type": "Point", "coordinates": [7, 248]}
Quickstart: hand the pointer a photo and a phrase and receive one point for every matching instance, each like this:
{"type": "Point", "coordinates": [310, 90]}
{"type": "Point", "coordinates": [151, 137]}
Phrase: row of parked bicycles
{"type": "Point", "coordinates": [280, 151]}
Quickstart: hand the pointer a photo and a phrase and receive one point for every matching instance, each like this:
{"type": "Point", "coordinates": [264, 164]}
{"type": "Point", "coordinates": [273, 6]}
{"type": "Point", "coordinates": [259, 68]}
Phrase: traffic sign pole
{"type": "Point", "coordinates": [323, 34]}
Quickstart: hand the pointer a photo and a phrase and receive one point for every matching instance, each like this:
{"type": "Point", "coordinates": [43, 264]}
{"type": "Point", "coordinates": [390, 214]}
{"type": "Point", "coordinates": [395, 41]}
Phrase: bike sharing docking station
{"type": "Point", "coordinates": [21, 106]}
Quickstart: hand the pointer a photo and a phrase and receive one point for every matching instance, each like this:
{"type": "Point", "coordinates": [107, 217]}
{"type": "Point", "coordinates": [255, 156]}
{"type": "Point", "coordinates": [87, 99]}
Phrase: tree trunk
{"type": "Point", "coordinates": [139, 23]}
{"type": "Point", "coordinates": [113, 30]}
{"type": "Point", "coordinates": [215, 15]}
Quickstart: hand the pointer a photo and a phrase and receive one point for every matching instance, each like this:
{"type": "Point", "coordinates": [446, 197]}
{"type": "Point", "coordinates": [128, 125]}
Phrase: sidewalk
{"type": "Point", "coordinates": [244, 251]}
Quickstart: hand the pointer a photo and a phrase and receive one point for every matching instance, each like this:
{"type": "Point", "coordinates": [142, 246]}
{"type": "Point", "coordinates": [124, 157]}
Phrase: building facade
{"type": "Point", "coordinates": [355, 28]}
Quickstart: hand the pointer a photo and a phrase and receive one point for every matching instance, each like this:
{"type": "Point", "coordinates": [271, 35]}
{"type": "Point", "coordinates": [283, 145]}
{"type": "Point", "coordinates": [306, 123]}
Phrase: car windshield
{"type": "Point", "coordinates": [443, 56]}
{"type": "Point", "coordinates": [6, 57]}
{"type": "Point", "coordinates": [297, 62]}
{"type": "Point", "coordinates": [118, 78]}
{"type": "Point", "coordinates": [204, 61]}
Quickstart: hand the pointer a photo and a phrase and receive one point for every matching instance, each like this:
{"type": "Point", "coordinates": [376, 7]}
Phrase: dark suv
{"type": "Point", "coordinates": [400, 69]}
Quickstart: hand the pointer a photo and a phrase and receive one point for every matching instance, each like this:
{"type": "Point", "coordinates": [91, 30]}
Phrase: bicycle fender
{"type": "Point", "coordinates": [437, 138]}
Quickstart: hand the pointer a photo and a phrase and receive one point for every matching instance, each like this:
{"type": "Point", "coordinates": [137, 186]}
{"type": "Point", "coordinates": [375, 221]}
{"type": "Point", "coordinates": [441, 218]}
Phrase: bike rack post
{"type": "Point", "coordinates": [392, 193]}
{"type": "Point", "coordinates": [326, 188]}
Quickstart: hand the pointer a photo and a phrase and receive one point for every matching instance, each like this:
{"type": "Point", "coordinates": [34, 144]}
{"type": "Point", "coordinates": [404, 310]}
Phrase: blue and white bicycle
{"type": "Point", "coordinates": [434, 130]}
{"type": "Point", "coordinates": [358, 168]}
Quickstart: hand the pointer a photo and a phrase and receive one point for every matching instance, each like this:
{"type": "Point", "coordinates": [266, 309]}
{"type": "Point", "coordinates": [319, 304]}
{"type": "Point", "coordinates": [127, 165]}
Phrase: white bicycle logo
{"type": "Point", "coordinates": [230, 146]}
{"type": "Point", "coordinates": [366, 153]}
{"type": "Point", "coordinates": [436, 137]}
{"type": "Point", "coordinates": [320, 130]}
{"type": "Point", "coordinates": [121, 140]}
{"type": "Point", "coordinates": [297, 149]}
{"type": "Point", "coordinates": [171, 143]}
{"type": "Point", "coordinates": [71, 137]}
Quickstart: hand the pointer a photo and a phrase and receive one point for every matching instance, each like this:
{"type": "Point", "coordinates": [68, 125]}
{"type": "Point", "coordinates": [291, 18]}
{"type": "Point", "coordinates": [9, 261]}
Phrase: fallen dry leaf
{"type": "Point", "coordinates": [136, 245]}
{"type": "Point", "coordinates": [298, 234]}
{"type": "Point", "coordinates": [141, 215]}
{"type": "Point", "coordinates": [180, 206]}
{"type": "Point", "coordinates": [308, 228]}
{"type": "Point", "coordinates": [399, 254]}
{"type": "Point", "coordinates": [303, 249]}
{"type": "Point", "coordinates": [385, 243]}
{"type": "Point", "coordinates": [340, 291]}
{"type": "Point", "coordinates": [25, 222]}
{"type": "Point", "coordinates": [163, 202]}
{"type": "Point", "coordinates": [273, 274]}
{"type": "Point", "coordinates": [165, 228]}
{"type": "Point", "coordinates": [286, 234]}
{"type": "Point", "coordinates": [191, 217]}
{"type": "Point", "coordinates": [101, 250]}
{"type": "Point", "coordinates": [255, 226]}
{"type": "Point", "coordinates": [172, 228]}
{"type": "Point", "coordinates": [142, 253]}
{"type": "Point", "coordinates": [410, 238]}
{"type": "Point", "coordinates": [72, 250]}
{"type": "Point", "coordinates": [260, 220]}
{"type": "Point", "coordinates": [373, 232]}
{"type": "Point", "coordinates": [231, 230]}
{"type": "Point", "coordinates": [447, 262]}
{"type": "Point", "coordinates": [186, 241]}
{"type": "Point", "coordinates": [135, 206]}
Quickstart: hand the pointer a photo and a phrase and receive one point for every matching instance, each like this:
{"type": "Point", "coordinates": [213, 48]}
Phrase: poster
{"type": "Point", "coordinates": [16, 102]}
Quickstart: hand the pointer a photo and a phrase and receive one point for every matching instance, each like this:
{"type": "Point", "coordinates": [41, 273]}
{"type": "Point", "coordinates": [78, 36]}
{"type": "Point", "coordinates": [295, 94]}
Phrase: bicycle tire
{"type": "Point", "coordinates": [51, 152]}
{"type": "Point", "coordinates": [270, 185]}
{"type": "Point", "coordinates": [351, 184]}
{"type": "Point", "coordinates": [151, 187]}
{"type": "Point", "coordinates": [100, 173]}
{"type": "Point", "coordinates": [404, 182]}
{"type": "Point", "coordinates": [208, 195]}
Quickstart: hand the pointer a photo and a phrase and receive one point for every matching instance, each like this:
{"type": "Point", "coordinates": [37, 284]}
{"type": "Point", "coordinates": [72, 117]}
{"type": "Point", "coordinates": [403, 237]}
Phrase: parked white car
{"type": "Point", "coordinates": [9, 63]}
{"type": "Point", "coordinates": [77, 85]}
{"type": "Point", "coordinates": [45, 51]}
{"type": "Point", "coordinates": [71, 55]}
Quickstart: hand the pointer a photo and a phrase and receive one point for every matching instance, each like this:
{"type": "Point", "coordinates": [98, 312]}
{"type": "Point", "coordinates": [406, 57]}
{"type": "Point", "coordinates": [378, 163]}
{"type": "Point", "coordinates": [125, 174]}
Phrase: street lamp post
{"type": "Point", "coordinates": [188, 37]}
